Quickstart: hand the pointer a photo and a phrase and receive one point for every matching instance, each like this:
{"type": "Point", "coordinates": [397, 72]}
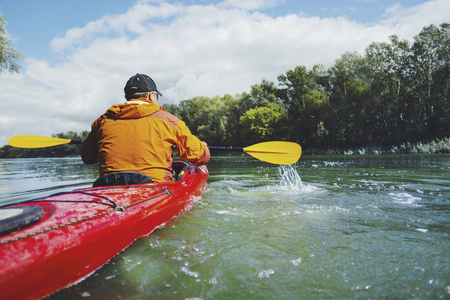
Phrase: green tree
{"type": "Point", "coordinates": [387, 70]}
{"type": "Point", "coordinates": [262, 123]}
{"type": "Point", "coordinates": [431, 80]}
{"type": "Point", "coordinates": [264, 93]}
{"type": "Point", "coordinates": [304, 100]}
{"type": "Point", "coordinates": [9, 56]}
{"type": "Point", "coordinates": [204, 117]}
{"type": "Point", "coordinates": [233, 109]}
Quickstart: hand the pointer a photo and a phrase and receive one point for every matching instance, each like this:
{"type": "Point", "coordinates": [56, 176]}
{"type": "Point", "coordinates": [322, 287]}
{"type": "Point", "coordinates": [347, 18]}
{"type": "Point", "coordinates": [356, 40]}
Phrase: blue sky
{"type": "Point", "coordinates": [78, 54]}
{"type": "Point", "coordinates": [34, 23]}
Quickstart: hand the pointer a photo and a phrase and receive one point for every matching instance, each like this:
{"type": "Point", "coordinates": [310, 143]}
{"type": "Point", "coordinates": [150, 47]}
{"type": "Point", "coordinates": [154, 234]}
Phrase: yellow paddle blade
{"type": "Point", "coordinates": [33, 141]}
{"type": "Point", "coordinates": [279, 153]}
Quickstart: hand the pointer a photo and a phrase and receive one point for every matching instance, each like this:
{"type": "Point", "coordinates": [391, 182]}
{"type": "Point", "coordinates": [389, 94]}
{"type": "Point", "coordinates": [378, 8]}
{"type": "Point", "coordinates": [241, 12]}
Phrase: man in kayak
{"type": "Point", "coordinates": [139, 135]}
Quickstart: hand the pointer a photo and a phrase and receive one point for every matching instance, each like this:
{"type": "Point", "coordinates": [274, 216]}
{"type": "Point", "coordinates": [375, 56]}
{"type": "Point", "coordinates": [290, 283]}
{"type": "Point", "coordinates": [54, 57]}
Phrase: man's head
{"type": "Point", "coordinates": [138, 86]}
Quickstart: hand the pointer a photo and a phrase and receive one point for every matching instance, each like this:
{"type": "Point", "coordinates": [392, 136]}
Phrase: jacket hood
{"type": "Point", "coordinates": [134, 109]}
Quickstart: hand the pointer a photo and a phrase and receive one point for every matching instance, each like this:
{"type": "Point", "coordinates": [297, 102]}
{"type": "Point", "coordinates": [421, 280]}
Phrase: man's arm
{"type": "Point", "coordinates": [89, 151]}
{"type": "Point", "coordinates": [190, 147]}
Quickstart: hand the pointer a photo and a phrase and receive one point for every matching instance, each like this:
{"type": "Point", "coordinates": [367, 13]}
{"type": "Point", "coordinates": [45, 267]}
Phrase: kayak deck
{"type": "Point", "coordinates": [82, 229]}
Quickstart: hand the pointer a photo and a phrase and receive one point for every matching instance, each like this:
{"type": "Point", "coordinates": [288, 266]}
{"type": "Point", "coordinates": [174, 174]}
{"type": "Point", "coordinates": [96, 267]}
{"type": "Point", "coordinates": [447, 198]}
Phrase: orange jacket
{"type": "Point", "coordinates": [138, 136]}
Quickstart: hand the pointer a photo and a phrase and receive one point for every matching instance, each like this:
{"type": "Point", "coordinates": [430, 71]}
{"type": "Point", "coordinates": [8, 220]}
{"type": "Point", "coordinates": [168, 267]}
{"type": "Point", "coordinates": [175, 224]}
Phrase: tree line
{"type": "Point", "coordinates": [394, 93]}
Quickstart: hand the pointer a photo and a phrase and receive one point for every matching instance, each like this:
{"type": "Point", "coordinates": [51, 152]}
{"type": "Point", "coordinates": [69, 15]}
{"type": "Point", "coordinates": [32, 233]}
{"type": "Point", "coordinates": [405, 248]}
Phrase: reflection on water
{"type": "Point", "coordinates": [328, 227]}
{"type": "Point", "coordinates": [24, 179]}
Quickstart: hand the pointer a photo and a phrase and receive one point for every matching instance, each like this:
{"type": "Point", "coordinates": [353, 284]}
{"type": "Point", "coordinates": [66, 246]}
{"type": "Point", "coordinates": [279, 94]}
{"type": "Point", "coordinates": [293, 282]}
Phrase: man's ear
{"type": "Point", "coordinates": [153, 97]}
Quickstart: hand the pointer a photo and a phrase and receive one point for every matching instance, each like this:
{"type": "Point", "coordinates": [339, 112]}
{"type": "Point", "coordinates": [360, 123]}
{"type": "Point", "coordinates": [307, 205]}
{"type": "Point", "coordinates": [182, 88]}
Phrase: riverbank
{"type": "Point", "coordinates": [435, 146]}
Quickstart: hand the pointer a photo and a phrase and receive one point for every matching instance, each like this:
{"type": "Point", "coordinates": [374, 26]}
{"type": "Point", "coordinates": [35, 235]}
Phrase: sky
{"type": "Point", "coordinates": [78, 54]}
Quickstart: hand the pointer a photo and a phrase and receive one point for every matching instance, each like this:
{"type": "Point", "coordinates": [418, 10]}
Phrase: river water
{"type": "Point", "coordinates": [328, 227]}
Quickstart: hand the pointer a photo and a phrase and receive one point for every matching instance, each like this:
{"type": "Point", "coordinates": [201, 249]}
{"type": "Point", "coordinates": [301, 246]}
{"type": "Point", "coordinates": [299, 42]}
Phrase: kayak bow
{"type": "Point", "coordinates": [79, 231]}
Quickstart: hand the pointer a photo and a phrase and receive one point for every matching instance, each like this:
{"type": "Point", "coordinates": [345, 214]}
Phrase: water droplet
{"type": "Point", "coordinates": [296, 262]}
{"type": "Point", "coordinates": [266, 273]}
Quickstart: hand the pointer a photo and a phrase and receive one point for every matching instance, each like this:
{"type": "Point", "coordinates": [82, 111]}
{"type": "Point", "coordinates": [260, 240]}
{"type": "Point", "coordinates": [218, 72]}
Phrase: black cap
{"type": "Point", "coordinates": [140, 83]}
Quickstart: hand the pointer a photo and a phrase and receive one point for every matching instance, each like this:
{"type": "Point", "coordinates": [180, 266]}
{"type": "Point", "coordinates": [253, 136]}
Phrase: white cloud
{"type": "Point", "coordinates": [134, 22]}
{"type": "Point", "coordinates": [198, 50]}
{"type": "Point", "coordinates": [407, 22]}
{"type": "Point", "coordinates": [393, 9]}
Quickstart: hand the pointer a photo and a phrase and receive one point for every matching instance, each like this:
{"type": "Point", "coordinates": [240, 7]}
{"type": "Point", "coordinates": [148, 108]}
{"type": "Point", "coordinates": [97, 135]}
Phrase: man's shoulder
{"type": "Point", "coordinates": [166, 116]}
{"type": "Point", "coordinates": [99, 120]}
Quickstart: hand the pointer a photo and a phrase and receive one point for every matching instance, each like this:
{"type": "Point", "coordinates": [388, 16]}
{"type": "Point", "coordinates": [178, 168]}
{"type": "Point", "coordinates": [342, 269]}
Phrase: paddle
{"type": "Point", "coordinates": [34, 141]}
{"type": "Point", "coordinates": [280, 153]}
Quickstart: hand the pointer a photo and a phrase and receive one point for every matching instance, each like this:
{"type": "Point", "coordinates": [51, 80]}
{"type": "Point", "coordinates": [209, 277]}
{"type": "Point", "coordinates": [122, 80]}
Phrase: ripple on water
{"type": "Point", "coordinates": [405, 198]}
{"type": "Point", "coordinates": [253, 187]}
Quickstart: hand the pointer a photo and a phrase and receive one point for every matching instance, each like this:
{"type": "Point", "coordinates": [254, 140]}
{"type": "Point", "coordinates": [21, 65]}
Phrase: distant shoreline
{"type": "Point", "coordinates": [433, 147]}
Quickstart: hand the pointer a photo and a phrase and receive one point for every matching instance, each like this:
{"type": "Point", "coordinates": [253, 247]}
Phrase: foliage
{"type": "Point", "coordinates": [8, 53]}
{"type": "Point", "coordinates": [435, 146]}
{"type": "Point", "coordinates": [263, 123]}
{"type": "Point", "coordinates": [304, 101]}
{"type": "Point", "coordinates": [205, 118]}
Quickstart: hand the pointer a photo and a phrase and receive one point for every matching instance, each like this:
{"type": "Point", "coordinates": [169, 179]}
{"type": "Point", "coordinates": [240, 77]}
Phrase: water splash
{"type": "Point", "coordinates": [265, 273]}
{"type": "Point", "coordinates": [290, 179]}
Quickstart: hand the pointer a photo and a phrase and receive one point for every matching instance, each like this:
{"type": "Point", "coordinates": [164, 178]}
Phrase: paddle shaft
{"type": "Point", "coordinates": [274, 152]}
{"type": "Point", "coordinates": [229, 148]}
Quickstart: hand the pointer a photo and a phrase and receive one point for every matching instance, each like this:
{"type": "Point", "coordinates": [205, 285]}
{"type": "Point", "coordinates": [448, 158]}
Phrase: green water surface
{"type": "Point", "coordinates": [329, 227]}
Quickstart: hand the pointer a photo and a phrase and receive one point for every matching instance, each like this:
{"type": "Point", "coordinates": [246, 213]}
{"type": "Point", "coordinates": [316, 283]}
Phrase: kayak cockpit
{"type": "Point", "coordinates": [15, 218]}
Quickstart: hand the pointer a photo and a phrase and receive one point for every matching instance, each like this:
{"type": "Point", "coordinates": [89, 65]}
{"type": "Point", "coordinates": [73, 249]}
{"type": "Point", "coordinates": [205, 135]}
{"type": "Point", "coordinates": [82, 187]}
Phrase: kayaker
{"type": "Point", "coordinates": [139, 135]}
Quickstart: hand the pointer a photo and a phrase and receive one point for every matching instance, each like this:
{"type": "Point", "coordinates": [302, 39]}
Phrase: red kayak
{"type": "Point", "coordinates": [53, 242]}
